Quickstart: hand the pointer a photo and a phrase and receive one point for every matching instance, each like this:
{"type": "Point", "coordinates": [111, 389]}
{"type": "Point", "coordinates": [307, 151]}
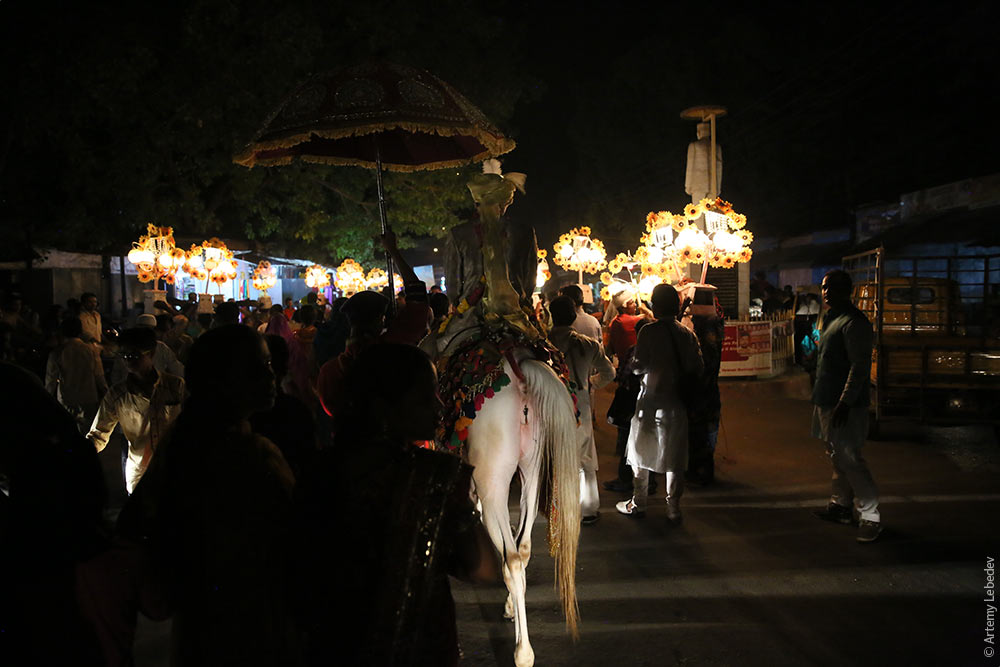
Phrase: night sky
{"type": "Point", "coordinates": [831, 105]}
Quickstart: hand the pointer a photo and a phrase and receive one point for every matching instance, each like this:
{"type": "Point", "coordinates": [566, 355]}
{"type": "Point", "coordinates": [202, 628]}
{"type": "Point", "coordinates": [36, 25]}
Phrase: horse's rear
{"type": "Point", "coordinates": [529, 426]}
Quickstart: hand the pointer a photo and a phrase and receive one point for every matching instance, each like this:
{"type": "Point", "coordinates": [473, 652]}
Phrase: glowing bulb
{"type": "Point", "coordinates": [692, 237]}
{"type": "Point", "coordinates": [727, 242]}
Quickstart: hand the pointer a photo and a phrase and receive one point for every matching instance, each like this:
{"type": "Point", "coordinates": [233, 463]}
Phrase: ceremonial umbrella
{"type": "Point", "coordinates": [378, 116]}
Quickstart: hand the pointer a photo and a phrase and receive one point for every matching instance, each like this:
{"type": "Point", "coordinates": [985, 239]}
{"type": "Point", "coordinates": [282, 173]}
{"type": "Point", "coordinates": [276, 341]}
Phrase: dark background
{"type": "Point", "coordinates": [113, 114]}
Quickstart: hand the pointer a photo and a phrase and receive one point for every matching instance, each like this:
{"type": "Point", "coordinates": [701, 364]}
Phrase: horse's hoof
{"type": "Point", "coordinates": [524, 656]}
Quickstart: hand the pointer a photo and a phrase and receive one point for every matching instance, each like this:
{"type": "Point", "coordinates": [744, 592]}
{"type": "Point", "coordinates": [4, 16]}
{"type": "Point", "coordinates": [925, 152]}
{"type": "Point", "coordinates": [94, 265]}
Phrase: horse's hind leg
{"type": "Point", "coordinates": [496, 519]}
{"type": "Point", "coordinates": [494, 450]}
{"type": "Point", "coordinates": [530, 470]}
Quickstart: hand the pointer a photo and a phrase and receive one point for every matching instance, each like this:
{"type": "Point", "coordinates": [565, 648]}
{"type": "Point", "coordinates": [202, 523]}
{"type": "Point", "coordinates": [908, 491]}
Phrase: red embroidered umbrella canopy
{"type": "Point", "coordinates": [378, 116]}
{"type": "Point", "coordinates": [405, 117]}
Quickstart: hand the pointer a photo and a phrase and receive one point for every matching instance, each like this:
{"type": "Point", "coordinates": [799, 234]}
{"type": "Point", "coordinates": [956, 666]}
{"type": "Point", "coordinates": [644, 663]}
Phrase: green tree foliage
{"type": "Point", "coordinates": [115, 116]}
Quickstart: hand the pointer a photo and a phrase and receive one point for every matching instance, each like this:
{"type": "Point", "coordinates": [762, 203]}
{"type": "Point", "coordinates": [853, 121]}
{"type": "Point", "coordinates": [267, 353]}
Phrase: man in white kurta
{"type": "Point", "coordinates": [584, 324]}
{"type": "Point", "coordinates": [585, 357]}
{"type": "Point", "coordinates": [74, 374]}
{"type": "Point", "coordinates": [144, 404]}
{"type": "Point", "coordinates": [665, 353]}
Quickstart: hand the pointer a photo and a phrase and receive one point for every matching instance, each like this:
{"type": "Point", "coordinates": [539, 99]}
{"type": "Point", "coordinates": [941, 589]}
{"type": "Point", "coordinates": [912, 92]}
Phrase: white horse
{"type": "Point", "coordinates": [528, 427]}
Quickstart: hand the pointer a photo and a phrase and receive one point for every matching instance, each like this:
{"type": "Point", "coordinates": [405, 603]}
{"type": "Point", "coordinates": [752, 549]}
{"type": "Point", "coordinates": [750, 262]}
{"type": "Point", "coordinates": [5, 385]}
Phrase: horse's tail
{"type": "Point", "coordinates": [555, 429]}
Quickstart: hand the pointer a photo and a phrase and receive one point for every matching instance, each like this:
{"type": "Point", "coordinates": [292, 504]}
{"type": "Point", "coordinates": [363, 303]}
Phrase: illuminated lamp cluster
{"type": "Point", "coordinates": [265, 276]}
{"type": "Point", "coordinates": [577, 251]}
{"type": "Point", "coordinates": [378, 278]}
{"type": "Point", "coordinates": [155, 255]}
{"type": "Point", "coordinates": [317, 277]}
{"type": "Point", "coordinates": [542, 273]}
{"type": "Point", "coordinates": [219, 261]}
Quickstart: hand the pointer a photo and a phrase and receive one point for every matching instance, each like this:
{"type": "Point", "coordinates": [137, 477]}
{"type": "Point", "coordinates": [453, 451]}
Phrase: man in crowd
{"type": "Point", "coordinates": [584, 357]}
{"type": "Point", "coordinates": [90, 318]}
{"type": "Point", "coordinates": [584, 324]}
{"type": "Point", "coordinates": [365, 311]}
{"type": "Point", "coordinates": [144, 404]}
{"type": "Point", "coordinates": [666, 354]}
{"type": "Point", "coordinates": [840, 415]}
{"type": "Point", "coordinates": [164, 359]}
{"type": "Point", "coordinates": [621, 329]}
{"type": "Point", "coordinates": [74, 374]}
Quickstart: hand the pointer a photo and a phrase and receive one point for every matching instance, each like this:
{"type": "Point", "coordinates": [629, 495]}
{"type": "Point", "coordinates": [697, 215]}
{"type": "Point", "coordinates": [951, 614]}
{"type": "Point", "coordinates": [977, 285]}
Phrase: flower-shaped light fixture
{"type": "Point", "coordinates": [542, 273]}
{"type": "Point", "coordinates": [265, 276]}
{"type": "Point", "coordinates": [349, 277]}
{"type": "Point", "coordinates": [194, 263]}
{"type": "Point", "coordinates": [378, 278]}
{"type": "Point", "coordinates": [153, 255]}
{"type": "Point", "coordinates": [723, 243]}
{"type": "Point", "coordinates": [635, 273]}
{"type": "Point", "coordinates": [317, 277]}
{"type": "Point", "coordinates": [729, 240]}
{"type": "Point", "coordinates": [219, 262]}
{"type": "Point", "coordinates": [577, 251]}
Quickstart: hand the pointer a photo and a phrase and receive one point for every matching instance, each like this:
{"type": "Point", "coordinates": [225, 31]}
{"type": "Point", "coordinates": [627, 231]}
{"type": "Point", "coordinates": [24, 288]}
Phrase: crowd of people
{"type": "Point", "coordinates": [276, 463]}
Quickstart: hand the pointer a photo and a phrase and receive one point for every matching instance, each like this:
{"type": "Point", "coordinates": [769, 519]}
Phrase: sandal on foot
{"type": "Point", "coordinates": [628, 508]}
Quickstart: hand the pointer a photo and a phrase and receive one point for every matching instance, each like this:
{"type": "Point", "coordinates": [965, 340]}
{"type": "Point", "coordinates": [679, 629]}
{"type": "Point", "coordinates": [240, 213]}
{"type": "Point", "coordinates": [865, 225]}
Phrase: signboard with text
{"type": "Point", "coordinates": [746, 349]}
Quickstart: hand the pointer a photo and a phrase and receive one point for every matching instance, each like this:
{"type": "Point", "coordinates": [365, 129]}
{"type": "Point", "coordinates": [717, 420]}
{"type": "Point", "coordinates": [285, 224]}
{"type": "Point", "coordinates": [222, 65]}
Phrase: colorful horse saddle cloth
{"type": "Point", "coordinates": [475, 372]}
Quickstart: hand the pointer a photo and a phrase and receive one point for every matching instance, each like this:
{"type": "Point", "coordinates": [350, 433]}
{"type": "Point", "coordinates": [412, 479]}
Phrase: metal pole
{"type": "Point", "coordinates": [121, 283]}
{"type": "Point", "coordinates": [385, 223]}
{"type": "Point", "coordinates": [712, 160]}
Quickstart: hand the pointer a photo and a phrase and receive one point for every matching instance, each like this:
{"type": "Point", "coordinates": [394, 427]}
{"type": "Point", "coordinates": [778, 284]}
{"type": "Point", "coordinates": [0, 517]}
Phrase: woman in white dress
{"type": "Point", "coordinates": [667, 355]}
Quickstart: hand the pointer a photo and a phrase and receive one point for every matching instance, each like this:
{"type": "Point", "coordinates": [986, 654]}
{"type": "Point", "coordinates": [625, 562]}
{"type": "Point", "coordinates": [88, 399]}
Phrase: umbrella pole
{"type": "Point", "coordinates": [385, 223]}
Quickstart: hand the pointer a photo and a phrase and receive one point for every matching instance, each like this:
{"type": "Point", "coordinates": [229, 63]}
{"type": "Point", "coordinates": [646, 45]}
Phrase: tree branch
{"type": "Point", "coordinates": [368, 205]}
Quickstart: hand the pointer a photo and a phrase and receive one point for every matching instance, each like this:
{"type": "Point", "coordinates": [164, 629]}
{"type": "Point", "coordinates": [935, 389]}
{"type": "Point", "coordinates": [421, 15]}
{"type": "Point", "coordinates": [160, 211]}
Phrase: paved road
{"type": "Point", "coordinates": [751, 578]}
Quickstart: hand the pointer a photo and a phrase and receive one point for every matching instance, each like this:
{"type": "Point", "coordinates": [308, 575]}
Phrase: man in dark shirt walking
{"type": "Point", "coordinates": [840, 416]}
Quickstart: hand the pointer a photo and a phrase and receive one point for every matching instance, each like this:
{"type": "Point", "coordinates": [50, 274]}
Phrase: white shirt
{"type": "Point", "coordinates": [144, 421]}
{"type": "Point", "coordinates": [92, 330]}
{"type": "Point", "coordinates": [74, 375]}
{"type": "Point", "coordinates": [587, 325]}
{"type": "Point", "coordinates": [584, 357]}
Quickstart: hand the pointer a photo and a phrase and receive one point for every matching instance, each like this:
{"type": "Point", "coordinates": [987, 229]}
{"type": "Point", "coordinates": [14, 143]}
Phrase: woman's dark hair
{"type": "Point", "coordinates": [382, 371]}
{"type": "Point", "coordinates": [138, 338]}
{"type": "Point", "coordinates": [563, 310]}
{"type": "Point", "coordinates": [71, 327]}
{"type": "Point", "coordinates": [307, 315]}
{"type": "Point", "coordinates": [279, 355]}
{"type": "Point", "coordinates": [665, 300]}
{"type": "Point", "coordinates": [439, 304]}
{"type": "Point", "coordinates": [574, 292]}
{"type": "Point", "coordinates": [214, 357]}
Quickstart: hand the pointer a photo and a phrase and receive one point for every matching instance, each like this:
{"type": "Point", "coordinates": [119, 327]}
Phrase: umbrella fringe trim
{"type": "Point", "coordinates": [494, 146]}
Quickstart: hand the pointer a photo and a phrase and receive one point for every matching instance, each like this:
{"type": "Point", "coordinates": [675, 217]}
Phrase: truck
{"type": "Point", "coordinates": [936, 319]}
